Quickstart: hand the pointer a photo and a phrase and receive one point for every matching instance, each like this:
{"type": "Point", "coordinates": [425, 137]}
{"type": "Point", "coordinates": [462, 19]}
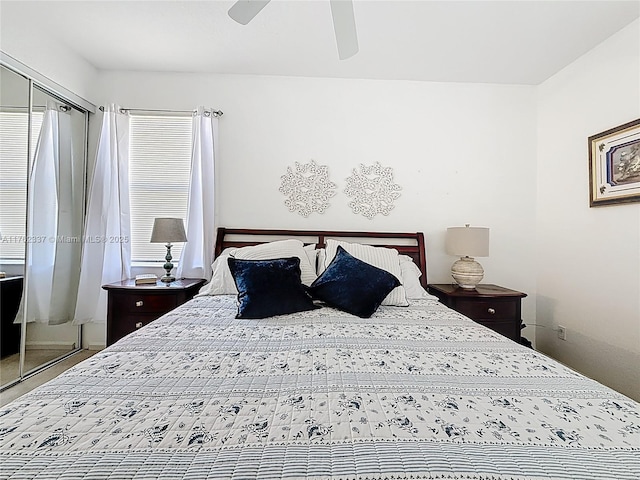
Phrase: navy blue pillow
{"type": "Point", "coordinates": [353, 286]}
{"type": "Point", "coordinates": [269, 287]}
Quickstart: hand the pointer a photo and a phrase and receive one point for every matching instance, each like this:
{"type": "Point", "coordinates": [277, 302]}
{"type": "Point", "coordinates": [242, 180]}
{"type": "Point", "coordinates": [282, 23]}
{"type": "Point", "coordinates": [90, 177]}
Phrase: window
{"type": "Point", "coordinates": [13, 179]}
{"type": "Point", "coordinates": [159, 169]}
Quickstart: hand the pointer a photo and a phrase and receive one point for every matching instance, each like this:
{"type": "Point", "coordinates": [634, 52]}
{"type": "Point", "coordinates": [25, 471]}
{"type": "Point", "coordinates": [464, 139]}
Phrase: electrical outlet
{"type": "Point", "coordinates": [562, 332]}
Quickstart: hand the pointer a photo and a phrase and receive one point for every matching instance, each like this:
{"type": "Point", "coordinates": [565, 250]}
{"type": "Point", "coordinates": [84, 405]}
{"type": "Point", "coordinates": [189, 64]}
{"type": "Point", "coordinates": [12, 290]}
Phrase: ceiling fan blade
{"type": "Point", "coordinates": [243, 11]}
{"type": "Point", "coordinates": [344, 25]}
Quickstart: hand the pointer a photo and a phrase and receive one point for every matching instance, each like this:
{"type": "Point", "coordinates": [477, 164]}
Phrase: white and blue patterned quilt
{"type": "Point", "coordinates": [413, 392]}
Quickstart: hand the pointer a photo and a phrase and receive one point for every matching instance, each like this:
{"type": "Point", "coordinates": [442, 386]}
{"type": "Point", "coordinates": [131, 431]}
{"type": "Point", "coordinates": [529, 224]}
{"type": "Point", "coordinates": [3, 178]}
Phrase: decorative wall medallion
{"type": "Point", "coordinates": [307, 188]}
{"type": "Point", "coordinates": [372, 190]}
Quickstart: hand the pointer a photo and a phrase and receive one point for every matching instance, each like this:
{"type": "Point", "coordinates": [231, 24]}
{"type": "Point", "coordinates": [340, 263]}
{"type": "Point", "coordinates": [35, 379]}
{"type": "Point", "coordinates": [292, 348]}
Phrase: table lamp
{"type": "Point", "coordinates": [467, 242]}
{"type": "Point", "coordinates": [168, 230]}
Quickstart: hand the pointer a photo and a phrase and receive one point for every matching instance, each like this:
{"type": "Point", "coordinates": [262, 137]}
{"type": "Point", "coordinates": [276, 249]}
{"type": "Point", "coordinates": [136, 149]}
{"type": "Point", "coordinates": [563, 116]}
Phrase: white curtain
{"type": "Point", "coordinates": [197, 253]}
{"type": "Point", "coordinates": [53, 249]}
{"type": "Point", "coordinates": [106, 253]}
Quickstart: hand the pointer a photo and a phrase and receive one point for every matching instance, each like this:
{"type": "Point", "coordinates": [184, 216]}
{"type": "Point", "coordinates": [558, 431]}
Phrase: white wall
{"type": "Point", "coordinates": [462, 154]}
{"type": "Point", "coordinates": [588, 258]}
{"type": "Point", "coordinates": [34, 48]}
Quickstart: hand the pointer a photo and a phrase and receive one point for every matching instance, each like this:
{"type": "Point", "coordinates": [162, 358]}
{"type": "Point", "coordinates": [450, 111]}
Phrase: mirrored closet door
{"type": "Point", "coordinates": [14, 150]}
{"type": "Point", "coordinates": [43, 140]}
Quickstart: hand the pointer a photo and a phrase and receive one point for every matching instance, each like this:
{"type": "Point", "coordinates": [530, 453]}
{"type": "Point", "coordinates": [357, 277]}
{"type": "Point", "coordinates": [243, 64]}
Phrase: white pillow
{"type": "Point", "coordinates": [281, 249]}
{"type": "Point", "coordinates": [312, 256]}
{"type": "Point", "coordinates": [411, 279]}
{"type": "Point", "coordinates": [222, 281]}
{"type": "Point", "coordinates": [384, 258]}
{"type": "Point", "coordinates": [322, 259]}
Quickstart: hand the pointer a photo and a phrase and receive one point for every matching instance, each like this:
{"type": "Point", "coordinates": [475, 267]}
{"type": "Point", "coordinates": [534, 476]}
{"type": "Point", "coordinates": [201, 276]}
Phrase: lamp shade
{"type": "Point", "coordinates": [168, 230]}
{"type": "Point", "coordinates": [467, 241]}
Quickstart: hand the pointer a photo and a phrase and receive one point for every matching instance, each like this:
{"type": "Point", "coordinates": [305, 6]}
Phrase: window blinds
{"type": "Point", "coordinates": [159, 169]}
{"type": "Point", "coordinates": [13, 179]}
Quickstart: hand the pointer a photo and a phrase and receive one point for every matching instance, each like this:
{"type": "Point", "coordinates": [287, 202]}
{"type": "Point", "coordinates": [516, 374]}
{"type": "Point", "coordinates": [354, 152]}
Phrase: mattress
{"type": "Point", "coordinates": [413, 392]}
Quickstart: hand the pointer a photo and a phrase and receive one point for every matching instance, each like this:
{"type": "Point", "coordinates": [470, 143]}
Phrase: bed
{"type": "Point", "coordinates": [416, 391]}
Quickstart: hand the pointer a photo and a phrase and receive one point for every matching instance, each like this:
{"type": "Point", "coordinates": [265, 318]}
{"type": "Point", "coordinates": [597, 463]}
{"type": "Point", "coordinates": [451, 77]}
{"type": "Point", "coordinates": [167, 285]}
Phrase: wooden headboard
{"type": "Point", "coordinates": [411, 244]}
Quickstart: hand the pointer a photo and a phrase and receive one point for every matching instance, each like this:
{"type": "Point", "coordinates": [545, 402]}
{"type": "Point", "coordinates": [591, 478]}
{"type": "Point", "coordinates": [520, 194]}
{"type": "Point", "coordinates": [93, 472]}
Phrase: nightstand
{"type": "Point", "coordinates": [132, 306]}
{"type": "Point", "coordinates": [490, 305]}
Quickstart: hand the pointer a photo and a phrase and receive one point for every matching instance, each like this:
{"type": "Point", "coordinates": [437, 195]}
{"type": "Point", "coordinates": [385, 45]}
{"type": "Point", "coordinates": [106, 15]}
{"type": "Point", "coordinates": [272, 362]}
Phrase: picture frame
{"type": "Point", "coordinates": [614, 165]}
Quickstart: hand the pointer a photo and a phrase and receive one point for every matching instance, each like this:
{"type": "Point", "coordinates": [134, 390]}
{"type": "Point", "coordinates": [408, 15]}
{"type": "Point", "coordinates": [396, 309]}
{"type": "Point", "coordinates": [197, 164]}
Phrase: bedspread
{"type": "Point", "coordinates": [413, 392]}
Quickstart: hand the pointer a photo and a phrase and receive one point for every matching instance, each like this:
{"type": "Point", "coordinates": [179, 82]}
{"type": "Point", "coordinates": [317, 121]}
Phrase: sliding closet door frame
{"type": "Point", "coordinates": [25, 281]}
{"type": "Point", "coordinates": [60, 93]}
{"type": "Point", "coordinates": [47, 84]}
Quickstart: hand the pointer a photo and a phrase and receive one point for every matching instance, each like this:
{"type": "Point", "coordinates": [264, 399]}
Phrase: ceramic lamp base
{"type": "Point", "coordinates": [467, 272]}
{"type": "Point", "coordinates": [168, 266]}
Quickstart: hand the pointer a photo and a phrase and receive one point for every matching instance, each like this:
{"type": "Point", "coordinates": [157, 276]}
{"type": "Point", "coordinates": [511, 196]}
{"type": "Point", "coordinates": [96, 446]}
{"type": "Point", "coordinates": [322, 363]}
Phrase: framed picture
{"type": "Point", "coordinates": [614, 165]}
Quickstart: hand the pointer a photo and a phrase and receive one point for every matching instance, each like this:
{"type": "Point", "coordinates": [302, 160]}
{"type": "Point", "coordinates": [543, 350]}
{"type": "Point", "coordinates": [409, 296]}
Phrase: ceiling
{"type": "Point", "coordinates": [508, 42]}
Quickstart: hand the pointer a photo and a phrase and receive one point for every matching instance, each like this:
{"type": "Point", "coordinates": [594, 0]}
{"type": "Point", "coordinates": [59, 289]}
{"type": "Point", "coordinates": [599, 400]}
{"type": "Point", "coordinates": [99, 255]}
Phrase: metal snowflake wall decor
{"type": "Point", "coordinates": [372, 190]}
{"type": "Point", "coordinates": [308, 188]}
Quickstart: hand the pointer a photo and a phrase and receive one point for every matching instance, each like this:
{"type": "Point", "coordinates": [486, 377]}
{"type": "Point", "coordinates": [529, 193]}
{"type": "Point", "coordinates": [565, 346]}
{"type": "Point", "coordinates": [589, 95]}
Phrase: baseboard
{"type": "Point", "coordinates": [66, 346]}
{"type": "Point", "coordinates": [96, 346]}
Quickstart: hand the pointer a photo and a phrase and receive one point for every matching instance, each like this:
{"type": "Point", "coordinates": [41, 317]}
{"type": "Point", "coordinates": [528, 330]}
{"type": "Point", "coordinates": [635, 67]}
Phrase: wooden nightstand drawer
{"type": "Point", "coordinates": [504, 327]}
{"type": "Point", "coordinates": [131, 307]}
{"type": "Point", "coordinates": [126, 325]}
{"type": "Point", "coordinates": [137, 304]}
{"type": "Point", "coordinates": [489, 309]}
{"type": "Point", "coordinates": [495, 307]}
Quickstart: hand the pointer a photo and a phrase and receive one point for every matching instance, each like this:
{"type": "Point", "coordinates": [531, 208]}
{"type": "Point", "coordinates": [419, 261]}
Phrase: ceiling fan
{"type": "Point", "coordinates": [344, 24]}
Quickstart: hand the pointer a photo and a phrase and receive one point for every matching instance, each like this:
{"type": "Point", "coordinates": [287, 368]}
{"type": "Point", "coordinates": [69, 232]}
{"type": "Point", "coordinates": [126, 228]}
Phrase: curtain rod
{"type": "Point", "coordinates": [215, 113]}
{"type": "Point", "coordinates": [63, 108]}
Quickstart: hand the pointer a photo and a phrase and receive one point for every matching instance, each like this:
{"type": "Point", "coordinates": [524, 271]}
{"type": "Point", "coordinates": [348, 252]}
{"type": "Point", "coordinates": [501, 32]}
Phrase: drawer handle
{"type": "Point", "coordinates": [139, 325]}
{"type": "Point", "coordinates": [491, 311]}
{"type": "Point", "coordinates": [139, 303]}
